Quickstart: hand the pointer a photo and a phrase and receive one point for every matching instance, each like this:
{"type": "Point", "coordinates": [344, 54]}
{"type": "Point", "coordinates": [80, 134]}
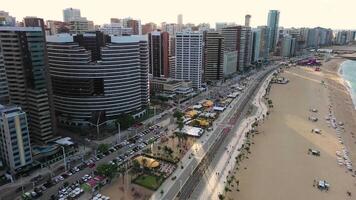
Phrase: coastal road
{"type": "Point", "coordinates": [220, 152]}
{"type": "Point", "coordinates": [213, 177]}
{"type": "Point", "coordinates": [194, 156]}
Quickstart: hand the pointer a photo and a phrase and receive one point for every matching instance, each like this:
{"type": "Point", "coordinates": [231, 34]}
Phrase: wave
{"type": "Point", "coordinates": [347, 83]}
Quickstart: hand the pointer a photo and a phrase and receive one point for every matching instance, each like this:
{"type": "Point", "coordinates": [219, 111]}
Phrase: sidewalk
{"type": "Point", "coordinates": [203, 143]}
{"type": "Point", "coordinates": [215, 184]}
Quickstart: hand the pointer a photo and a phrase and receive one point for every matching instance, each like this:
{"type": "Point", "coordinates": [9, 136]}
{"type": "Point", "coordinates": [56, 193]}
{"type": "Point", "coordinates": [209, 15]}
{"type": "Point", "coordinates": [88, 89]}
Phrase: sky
{"type": "Point", "coordinates": [335, 14]}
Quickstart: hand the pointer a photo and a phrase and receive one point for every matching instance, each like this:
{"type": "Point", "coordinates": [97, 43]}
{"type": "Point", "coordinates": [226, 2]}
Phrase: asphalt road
{"type": "Point", "coordinates": [171, 189]}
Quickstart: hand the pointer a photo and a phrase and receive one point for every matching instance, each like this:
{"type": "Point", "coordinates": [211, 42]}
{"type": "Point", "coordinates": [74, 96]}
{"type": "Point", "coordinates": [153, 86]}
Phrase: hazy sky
{"type": "Point", "coordinates": [337, 14]}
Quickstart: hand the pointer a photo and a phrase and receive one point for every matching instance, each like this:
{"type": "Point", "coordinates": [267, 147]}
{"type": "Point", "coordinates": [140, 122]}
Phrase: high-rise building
{"type": "Point", "coordinates": [344, 37]}
{"type": "Point", "coordinates": [6, 19]}
{"type": "Point", "coordinates": [26, 77]}
{"type": "Point", "coordinates": [158, 43]}
{"type": "Point", "coordinates": [260, 50]}
{"type": "Point", "coordinates": [256, 42]}
{"type": "Point", "coordinates": [81, 26]}
{"type": "Point", "coordinates": [189, 57]}
{"type": "Point", "coordinates": [15, 147]}
{"type": "Point", "coordinates": [135, 25]}
{"type": "Point", "coordinates": [34, 22]}
{"type": "Point", "coordinates": [239, 38]}
{"type": "Point", "coordinates": [220, 25]}
{"type": "Point", "coordinates": [288, 46]}
{"type": "Point", "coordinates": [203, 27]}
{"type": "Point", "coordinates": [4, 92]}
{"type": "Point", "coordinates": [172, 29]}
{"type": "Point", "coordinates": [115, 21]}
{"type": "Point", "coordinates": [247, 20]}
{"type": "Point", "coordinates": [180, 22]}
{"type": "Point", "coordinates": [56, 27]}
{"type": "Point", "coordinates": [172, 45]}
{"type": "Point", "coordinates": [115, 29]}
{"type": "Point", "coordinates": [213, 56]}
{"type": "Point", "coordinates": [318, 37]}
{"type": "Point", "coordinates": [230, 60]}
{"type": "Point", "coordinates": [272, 23]}
{"type": "Point", "coordinates": [71, 14]}
{"type": "Point", "coordinates": [149, 27]}
{"type": "Point", "coordinates": [94, 76]}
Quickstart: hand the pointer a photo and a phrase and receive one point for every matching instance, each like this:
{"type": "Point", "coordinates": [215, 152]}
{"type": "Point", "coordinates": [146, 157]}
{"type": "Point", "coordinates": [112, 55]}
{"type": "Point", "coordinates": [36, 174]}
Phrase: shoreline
{"type": "Point", "coordinates": [279, 151]}
{"type": "Point", "coordinates": [346, 82]}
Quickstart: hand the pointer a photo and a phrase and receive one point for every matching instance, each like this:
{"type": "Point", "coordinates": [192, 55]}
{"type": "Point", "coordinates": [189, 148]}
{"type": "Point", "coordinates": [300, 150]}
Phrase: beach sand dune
{"type": "Point", "coordinates": [279, 166]}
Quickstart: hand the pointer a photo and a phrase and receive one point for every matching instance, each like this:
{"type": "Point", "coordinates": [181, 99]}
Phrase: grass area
{"type": "Point", "coordinates": [85, 187]}
{"type": "Point", "coordinates": [149, 181]}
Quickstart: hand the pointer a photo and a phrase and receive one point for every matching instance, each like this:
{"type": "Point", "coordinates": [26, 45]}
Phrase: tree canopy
{"type": "Point", "coordinates": [103, 148]}
{"type": "Point", "coordinates": [107, 170]}
{"type": "Point", "coordinates": [125, 120]}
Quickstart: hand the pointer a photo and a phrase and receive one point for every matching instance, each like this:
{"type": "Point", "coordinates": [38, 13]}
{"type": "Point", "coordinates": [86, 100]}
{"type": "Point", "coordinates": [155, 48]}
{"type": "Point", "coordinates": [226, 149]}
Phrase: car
{"type": "Point", "coordinates": [91, 165]}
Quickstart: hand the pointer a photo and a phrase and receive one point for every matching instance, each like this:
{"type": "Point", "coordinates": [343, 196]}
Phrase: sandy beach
{"type": "Point", "coordinates": [279, 166]}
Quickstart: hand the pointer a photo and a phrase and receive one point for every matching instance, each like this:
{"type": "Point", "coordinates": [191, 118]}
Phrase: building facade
{"type": "Point", "coordinates": [213, 56]}
{"type": "Point", "coordinates": [85, 86]}
{"type": "Point", "coordinates": [71, 14]}
{"type": "Point", "coordinates": [134, 24]}
{"type": "Point", "coordinates": [189, 57]}
{"type": "Point", "coordinates": [81, 26]}
{"type": "Point", "coordinates": [56, 27]}
{"type": "Point", "coordinates": [15, 146]}
{"type": "Point", "coordinates": [230, 60]}
{"type": "Point", "coordinates": [26, 77]}
{"type": "Point", "coordinates": [273, 23]}
{"type": "Point", "coordinates": [115, 29]}
{"type": "Point", "coordinates": [158, 43]}
{"type": "Point", "coordinates": [149, 27]}
{"type": "Point", "coordinates": [4, 91]}
{"type": "Point", "coordinates": [6, 19]}
{"type": "Point", "coordinates": [288, 46]}
{"type": "Point", "coordinates": [239, 38]}
{"type": "Point", "coordinates": [260, 51]}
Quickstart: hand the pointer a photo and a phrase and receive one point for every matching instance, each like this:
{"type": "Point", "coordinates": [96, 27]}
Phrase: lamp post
{"type": "Point", "coordinates": [64, 158]}
{"type": "Point", "coordinates": [97, 127]}
{"type": "Point", "coordinates": [118, 139]}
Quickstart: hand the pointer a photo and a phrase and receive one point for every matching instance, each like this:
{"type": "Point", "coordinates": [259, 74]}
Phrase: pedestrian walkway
{"type": "Point", "coordinates": [215, 183]}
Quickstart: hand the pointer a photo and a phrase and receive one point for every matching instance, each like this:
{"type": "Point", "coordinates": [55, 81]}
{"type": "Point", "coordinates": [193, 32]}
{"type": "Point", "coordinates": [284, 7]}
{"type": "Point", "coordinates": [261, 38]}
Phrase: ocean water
{"type": "Point", "coordinates": [348, 73]}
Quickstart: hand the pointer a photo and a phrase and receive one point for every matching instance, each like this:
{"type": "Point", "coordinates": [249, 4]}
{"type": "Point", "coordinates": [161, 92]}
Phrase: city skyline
{"type": "Point", "coordinates": [334, 11]}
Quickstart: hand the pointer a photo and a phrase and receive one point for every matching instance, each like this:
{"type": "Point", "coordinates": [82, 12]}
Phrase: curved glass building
{"type": "Point", "coordinates": [95, 75]}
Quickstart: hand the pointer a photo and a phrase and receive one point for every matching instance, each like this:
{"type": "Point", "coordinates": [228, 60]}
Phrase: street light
{"type": "Point", "coordinates": [97, 126]}
{"type": "Point", "coordinates": [118, 138]}
{"type": "Point", "coordinates": [64, 158]}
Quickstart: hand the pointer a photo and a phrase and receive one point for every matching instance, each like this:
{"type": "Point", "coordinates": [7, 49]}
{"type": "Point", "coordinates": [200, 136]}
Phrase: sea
{"type": "Point", "coordinates": [348, 73]}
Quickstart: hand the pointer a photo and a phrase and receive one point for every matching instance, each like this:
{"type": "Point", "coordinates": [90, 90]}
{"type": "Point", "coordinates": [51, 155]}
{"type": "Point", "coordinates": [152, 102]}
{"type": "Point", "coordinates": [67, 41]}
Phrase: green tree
{"type": "Point", "coordinates": [136, 166]}
{"type": "Point", "coordinates": [125, 120]}
{"type": "Point", "coordinates": [177, 114]}
{"type": "Point", "coordinates": [180, 124]}
{"type": "Point", "coordinates": [103, 148]}
{"type": "Point", "coordinates": [107, 170]}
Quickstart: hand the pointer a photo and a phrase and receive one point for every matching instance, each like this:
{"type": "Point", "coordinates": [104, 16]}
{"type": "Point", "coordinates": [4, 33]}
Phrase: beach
{"type": "Point", "coordinates": [279, 166]}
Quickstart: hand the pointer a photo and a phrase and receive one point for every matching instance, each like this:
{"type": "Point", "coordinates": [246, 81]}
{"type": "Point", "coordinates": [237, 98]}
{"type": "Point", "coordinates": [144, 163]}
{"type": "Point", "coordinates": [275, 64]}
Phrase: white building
{"type": "Point", "coordinates": [15, 145]}
{"type": "Point", "coordinates": [115, 29]}
{"type": "Point", "coordinates": [6, 19]}
{"type": "Point", "coordinates": [189, 53]}
{"type": "Point", "coordinates": [71, 14]}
